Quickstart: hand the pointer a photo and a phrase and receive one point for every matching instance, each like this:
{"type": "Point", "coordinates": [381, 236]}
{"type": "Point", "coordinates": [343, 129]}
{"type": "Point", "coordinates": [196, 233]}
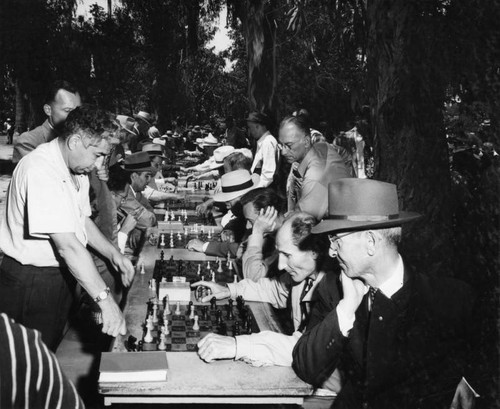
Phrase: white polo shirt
{"type": "Point", "coordinates": [43, 199]}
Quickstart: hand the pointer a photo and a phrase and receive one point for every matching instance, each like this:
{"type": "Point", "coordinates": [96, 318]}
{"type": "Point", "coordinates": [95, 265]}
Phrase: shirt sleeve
{"type": "Point", "coordinates": [254, 264]}
{"type": "Point", "coordinates": [268, 164]}
{"type": "Point", "coordinates": [266, 348]}
{"type": "Point", "coordinates": [312, 198]}
{"type": "Point", "coordinates": [271, 290]}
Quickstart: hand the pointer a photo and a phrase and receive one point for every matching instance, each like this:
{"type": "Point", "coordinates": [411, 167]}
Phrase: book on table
{"type": "Point", "coordinates": [133, 366]}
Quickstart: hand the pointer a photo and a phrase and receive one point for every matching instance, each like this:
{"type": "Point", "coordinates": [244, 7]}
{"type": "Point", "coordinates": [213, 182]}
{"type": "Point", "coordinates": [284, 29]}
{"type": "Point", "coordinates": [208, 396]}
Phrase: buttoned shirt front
{"type": "Point", "coordinates": [266, 159]}
{"type": "Point", "coordinates": [42, 199]}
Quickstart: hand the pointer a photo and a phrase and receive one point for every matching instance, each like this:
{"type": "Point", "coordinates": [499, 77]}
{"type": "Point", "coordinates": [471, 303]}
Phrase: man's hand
{"type": "Point", "coordinates": [125, 267]}
{"type": "Point", "coordinates": [227, 236]}
{"type": "Point", "coordinates": [113, 322]}
{"type": "Point", "coordinates": [354, 291]}
{"type": "Point", "coordinates": [464, 397]}
{"type": "Point", "coordinates": [203, 208]}
{"type": "Point", "coordinates": [195, 245]}
{"type": "Point", "coordinates": [265, 221]}
{"type": "Point", "coordinates": [215, 346]}
{"type": "Point", "coordinates": [218, 291]}
{"type": "Point", "coordinates": [128, 224]}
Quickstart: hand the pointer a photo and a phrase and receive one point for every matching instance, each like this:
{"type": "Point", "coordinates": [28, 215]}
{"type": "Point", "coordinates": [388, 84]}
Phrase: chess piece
{"type": "Point", "coordinates": [162, 255]}
{"type": "Point", "coordinates": [143, 271]}
{"type": "Point", "coordinates": [230, 265]}
{"type": "Point", "coordinates": [213, 302]}
{"type": "Point", "coordinates": [198, 273]}
{"type": "Point", "coordinates": [155, 313]}
{"type": "Point", "coordinates": [204, 313]}
{"type": "Point", "coordinates": [162, 242]}
{"type": "Point", "coordinates": [178, 308]}
{"type": "Point", "coordinates": [149, 336]}
{"type": "Point", "coordinates": [196, 325]}
{"type": "Point", "coordinates": [230, 313]}
{"type": "Point", "coordinates": [172, 216]}
{"type": "Point", "coordinates": [218, 317]}
{"type": "Point", "coordinates": [191, 313]}
{"type": "Point", "coordinates": [162, 346]}
{"type": "Point", "coordinates": [235, 279]}
{"type": "Point", "coordinates": [236, 328]}
{"type": "Point", "coordinates": [212, 274]}
{"type": "Point", "coordinates": [228, 258]}
{"type": "Point", "coordinates": [219, 270]}
{"type": "Point", "coordinates": [208, 265]}
{"type": "Point", "coordinates": [165, 219]}
{"type": "Point", "coordinates": [166, 307]}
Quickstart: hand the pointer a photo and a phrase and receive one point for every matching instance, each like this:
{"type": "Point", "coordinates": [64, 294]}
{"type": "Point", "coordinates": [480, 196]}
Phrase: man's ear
{"type": "Point", "coordinates": [47, 109]}
{"type": "Point", "coordinates": [72, 141]}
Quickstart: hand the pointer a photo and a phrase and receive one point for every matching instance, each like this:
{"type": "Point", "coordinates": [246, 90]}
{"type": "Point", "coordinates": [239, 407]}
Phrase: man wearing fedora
{"type": "Point", "coordinates": [400, 338]}
{"type": "Point", "coordinates": [314, 166]}
{"type": "Point", "coordinates": [144, 121]}
{"type": "Point", "coordinates": [266, 159]}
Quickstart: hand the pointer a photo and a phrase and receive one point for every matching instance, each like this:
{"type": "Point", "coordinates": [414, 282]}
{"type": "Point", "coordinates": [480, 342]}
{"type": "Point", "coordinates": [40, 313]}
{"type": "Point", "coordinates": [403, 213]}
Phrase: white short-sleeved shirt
{"type": "Point", "coordinates": [43, 199]}
{"type": "Point", "coordinates": [266, 158]}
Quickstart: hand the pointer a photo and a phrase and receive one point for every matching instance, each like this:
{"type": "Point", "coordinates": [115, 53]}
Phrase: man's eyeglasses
{"type": "Point", "coordinates": [285, 147]}
{"type": "Point", "coordinates": [123, 199]}
{"type": "Point", "coordinates": [334, 238]}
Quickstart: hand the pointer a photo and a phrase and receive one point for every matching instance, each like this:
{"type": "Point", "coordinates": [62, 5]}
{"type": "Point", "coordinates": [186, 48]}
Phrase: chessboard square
{"type": "Point", "coordinates": [178, 328]}
{"type": "Point", "coordinates": [178, 340]}
{"type": "Point", "coordinates": [191, 347]}
{"type": "Point", "coordinates": [191, 340]}
{"type": "Point", "coordinates": [181, 317]}
{"type": "Point", "coordinates": [205, 327]}
{"type": "Point", "coordinates": [178, 334]}
{"type": "Point", "coordinates": [192, 334]}
{"type": "Point", "coordinates": [149, 346]}
{"type": "Point", "coordinates": [178, 347]}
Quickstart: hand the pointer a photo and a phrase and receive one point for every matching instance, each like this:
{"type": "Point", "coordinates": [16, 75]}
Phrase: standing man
{"type": "Point", "coordinates": [402, 339]}
{"type": "Point", "coordinates": [46, 228]}
{"type": "Point", "coordinates": [266, 159]}
{"type": "Point", "coordinates": [60, 100]}
{"type": "Point", "coordinates": [314, 166]}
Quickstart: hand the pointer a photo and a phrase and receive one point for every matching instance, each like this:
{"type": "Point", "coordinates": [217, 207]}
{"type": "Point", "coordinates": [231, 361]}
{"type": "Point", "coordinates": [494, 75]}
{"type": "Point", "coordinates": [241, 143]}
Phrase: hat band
{"type": "Point", "coordinates": [235, 188]}
{"type": "Point", "coordinates": [133, 166]}
{"type": "Point", "coordinates": [154, 153]}
{"type": "Point", "coordinates": [363, 218]}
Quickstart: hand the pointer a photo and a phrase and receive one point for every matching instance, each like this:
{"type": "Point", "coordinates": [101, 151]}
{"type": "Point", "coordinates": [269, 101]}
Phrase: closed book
{"type": "Point", "coordinates": [133, 366]}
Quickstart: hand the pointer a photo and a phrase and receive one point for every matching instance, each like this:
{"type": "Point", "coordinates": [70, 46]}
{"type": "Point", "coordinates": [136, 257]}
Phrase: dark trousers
{"type": "Point", "coordinates": [37, 297]}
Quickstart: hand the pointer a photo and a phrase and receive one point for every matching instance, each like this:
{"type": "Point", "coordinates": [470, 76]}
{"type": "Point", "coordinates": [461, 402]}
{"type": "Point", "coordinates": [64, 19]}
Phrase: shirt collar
{"type": "Point", "coordinates": [309, 294]}
{"type": "Point", "coordinates": [261, 139]}
{"type": "Point", "coordinates": [301, 169]}
{"type": "Point", "coordinates": [395, 282]}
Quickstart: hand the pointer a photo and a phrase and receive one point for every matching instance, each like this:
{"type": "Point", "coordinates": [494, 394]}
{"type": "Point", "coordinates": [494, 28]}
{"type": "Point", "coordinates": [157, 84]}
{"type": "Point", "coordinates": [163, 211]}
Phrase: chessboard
{"type": "Point", "coordinates": [179, 328]}
{"type": "Point", "coordinates": [173, 240]}
{"type": "Point", "coordinates": [220, 270]}
{"type": "Point", "coordinates": [187, 217]}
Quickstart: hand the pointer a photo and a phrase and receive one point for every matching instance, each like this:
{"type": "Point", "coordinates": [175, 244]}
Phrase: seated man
{"type": "Point", "coordinates": [401, 339]}
{"type": "Point", "coordinates": [233, 186]}
{"type": "Point", "coordinates": [301, 256]}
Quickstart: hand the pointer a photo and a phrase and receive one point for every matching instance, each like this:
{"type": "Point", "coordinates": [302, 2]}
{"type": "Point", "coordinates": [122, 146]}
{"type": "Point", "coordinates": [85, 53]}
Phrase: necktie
{"type": "Point", "coordinates": [371, 293]}
{"type": "Point", "coordinates": [303, 310]}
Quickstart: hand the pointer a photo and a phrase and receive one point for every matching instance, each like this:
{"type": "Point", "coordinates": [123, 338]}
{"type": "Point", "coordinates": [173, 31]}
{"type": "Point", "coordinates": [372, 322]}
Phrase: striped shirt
{"type": "Point", "coordinates": [30, 376]}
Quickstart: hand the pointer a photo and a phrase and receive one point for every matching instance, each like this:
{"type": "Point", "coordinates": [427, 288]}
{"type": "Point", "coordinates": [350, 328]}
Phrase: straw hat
{"type": "Point", "coordinates": [235, 184]}
{"type": "Point", "coordinates": [127, 123]}
{"type": "Point", "coordinates": [145, 116]}
{"type": "Point", "coordinates": [361, 204]}
{"type": "Point", "coordinates": [219, 155]}
{"type": "Point", "coordinates": [153, 149]}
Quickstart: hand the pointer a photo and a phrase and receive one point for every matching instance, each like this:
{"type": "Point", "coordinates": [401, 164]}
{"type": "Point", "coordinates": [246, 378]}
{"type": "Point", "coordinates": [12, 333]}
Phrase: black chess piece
{"type": "Point", "coordinates": [249, 325]}
{"type": "Point", "coordinates": [204, 313]}
{"type": "Point", "coordinates": [230, 314]}
{"type": "Point", "coordinates": [218, 317]}
{"type": "Point", "coordinates": [188, 311]}
{"type": "Point", "coordinates": [140, 345]}
{"type": "Point", "coordinates": [162, 255]}
{"type": "Point", "coordinates": [213, 303]}
{"type": "Point", "coordinates": [236, 328]}
{"type": "Point", "coordinates": [230, 303]}
{"type": "Point", "coordinates": [222, 328]}
{"type": "Point", "coordinates": [131, 344]}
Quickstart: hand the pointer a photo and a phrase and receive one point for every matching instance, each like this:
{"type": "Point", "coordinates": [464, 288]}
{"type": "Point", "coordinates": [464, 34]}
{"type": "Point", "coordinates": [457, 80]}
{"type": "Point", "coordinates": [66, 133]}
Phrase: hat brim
{"type": "Point", "coordinates": [216, 165]}
{"type": "Point", "coordinates": [337, 225]}
{"type": "Point", "coordinates": [142, 119]}
{"type": "Point", "coordinates": [204, 144]}
{"type": "Point", "coordinates": [145, 169]}
{"type": "Point", "coordinates": [226, 197]}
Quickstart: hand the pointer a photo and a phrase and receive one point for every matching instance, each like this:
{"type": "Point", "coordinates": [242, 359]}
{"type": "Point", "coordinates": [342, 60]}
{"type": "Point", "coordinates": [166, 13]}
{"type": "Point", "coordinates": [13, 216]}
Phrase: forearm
{"type": "Point", "coordinates": [254, 266]}
{"type": "Point", "coordinates": [273, 291]}
{"type": "Point", "coordinates": [266, 348]}
{"type": "Point", "coordinates": [98, 241]}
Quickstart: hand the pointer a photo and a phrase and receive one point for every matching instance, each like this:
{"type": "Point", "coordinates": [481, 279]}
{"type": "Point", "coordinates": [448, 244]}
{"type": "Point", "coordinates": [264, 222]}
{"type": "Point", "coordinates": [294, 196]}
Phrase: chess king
{"type": "Point", "coordinates": [300, 255]}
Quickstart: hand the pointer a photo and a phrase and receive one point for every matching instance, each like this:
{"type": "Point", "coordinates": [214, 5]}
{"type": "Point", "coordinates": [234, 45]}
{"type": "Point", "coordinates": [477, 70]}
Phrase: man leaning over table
{"type": "Point", "coordinates": [46, 228]}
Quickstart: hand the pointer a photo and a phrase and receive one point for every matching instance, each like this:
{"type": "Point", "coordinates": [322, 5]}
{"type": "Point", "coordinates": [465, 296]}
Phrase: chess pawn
{"type": "Point", "coordinates": [155, 313]}
{"type": "Point", "coordinates": [212, 274]}
{"type": "Point", "coordinates": [191, 313]}
{"type": "Point", "coordinates": [208, 265]}
{"type": "Point", "coordinates": [235, 279]}
{"type": "Point", "coordinates": [148, 337]}
{"type": "Point", "coordinates": [219, 270]}
{"type": "Point", "coordinates": [172, 216]}
{"type": "Point", "coordinates": [196, 325]}
{"type": "Point", "coordinates": [209, 236]}
{"type": "Point", "coordinates": [162, 242]}
{"type": "Point", "coordinates": [178, 308]}
{"type": "Point", "coordinates": [165, 219]}
{"type": "Point", "coordinates": [228, 258]}
{"type": "Point", "coordinates": [162, 346]}
{"type": "Point", "coordinates": [230, 265]}
{"type": "Point", "coordinates": [164, 329]}
{"type": "Point", "coordinates": [198, 273]}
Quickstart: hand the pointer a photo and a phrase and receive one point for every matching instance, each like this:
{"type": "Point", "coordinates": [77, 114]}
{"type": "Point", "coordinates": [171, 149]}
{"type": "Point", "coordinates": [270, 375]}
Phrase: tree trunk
{"type": "Point", "coordinates": [407, 95]}
{"type": "Point", "coordinates": [20, 109]}
{"type": "Point", "coordinates": [259, 28]}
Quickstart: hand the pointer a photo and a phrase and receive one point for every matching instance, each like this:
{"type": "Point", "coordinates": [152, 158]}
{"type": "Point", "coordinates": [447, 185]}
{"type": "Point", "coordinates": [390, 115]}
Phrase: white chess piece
{"type": "Point", "coordinates": [212, 273]}
{"type": "Point", "coordinates": [208, 265]}
{"type": "Point", "coordinates": [235, 279]}
{"type": "Point", "coordinates": [148, 337]}
{"type": "Point", "coordinates": [230, 265]}
{"type": "Point", "coordinates": [219, 270]}
{"type": "Point", "coordinates": [162, 346]}
{"type": "Point", "coordinates": [196, 326]}
{"type": "Point", "coordinates": [162, 242]}
{"type": "Point", "coordinates": [191, 313]}
{"type": "Point", "coordinates": [155, 313]}
{"type": "Point", "coordinates": [198, 273]}
{"type": "Point", "coordinates": [167, 306]}
{"type": "Point", "coordinates": [165, 219]}
{"type": "Point", "coordinates": [178, 308]}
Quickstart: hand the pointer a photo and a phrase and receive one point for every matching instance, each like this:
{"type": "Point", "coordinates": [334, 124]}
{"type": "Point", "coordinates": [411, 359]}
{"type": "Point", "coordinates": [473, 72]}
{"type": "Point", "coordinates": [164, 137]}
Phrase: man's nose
{"type": "Point", "coordinates": [282, 262]}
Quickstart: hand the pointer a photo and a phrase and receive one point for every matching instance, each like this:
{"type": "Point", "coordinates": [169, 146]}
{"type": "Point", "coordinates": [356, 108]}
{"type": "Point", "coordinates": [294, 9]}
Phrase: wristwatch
{"type": "Point", "coordinates": [102, 295]}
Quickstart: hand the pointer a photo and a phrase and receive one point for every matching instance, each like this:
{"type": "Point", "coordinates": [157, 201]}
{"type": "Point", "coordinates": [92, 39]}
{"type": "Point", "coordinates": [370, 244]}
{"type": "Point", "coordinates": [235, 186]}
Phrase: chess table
{"type": "Point", "coordinates": [189, 379]}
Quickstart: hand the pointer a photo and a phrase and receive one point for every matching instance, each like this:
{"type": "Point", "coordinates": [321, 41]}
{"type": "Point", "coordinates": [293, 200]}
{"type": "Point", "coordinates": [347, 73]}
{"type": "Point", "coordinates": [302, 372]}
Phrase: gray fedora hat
{"type": "Point", "coordinates": [361, 204]}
